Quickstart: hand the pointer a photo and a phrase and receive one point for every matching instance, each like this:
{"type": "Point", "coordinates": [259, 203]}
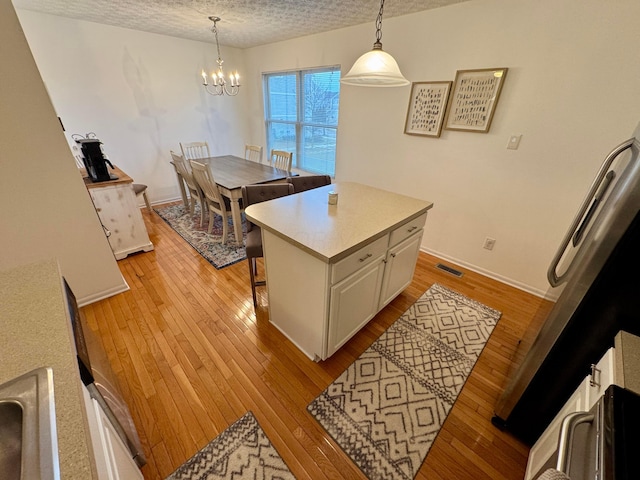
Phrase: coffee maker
{"type": "Point", "coordinates": [94, 160]}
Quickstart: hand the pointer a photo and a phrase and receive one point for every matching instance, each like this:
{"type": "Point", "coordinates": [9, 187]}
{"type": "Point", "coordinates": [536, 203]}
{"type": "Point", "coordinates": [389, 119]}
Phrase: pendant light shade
{"type": "Point", "coordinates": [376, 68]}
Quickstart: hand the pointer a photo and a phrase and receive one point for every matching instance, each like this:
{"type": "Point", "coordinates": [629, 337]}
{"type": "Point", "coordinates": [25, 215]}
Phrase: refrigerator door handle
{"type": "Point", "coordinates": [565, 441]}
{"type": "Point", "coordinates": [552, 275]}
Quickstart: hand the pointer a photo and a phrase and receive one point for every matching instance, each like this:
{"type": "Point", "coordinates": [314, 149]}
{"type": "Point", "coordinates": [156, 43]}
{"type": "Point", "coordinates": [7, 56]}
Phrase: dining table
{"type": "Point", "coordinates": [231, 173]}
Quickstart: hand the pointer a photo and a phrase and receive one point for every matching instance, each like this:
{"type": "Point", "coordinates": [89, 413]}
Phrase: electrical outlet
{"type": "Point", "coordinates": [489, 243]}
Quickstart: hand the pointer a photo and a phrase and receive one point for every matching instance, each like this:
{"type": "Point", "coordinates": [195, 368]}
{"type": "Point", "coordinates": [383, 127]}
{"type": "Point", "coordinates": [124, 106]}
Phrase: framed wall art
{"type": "Point", "coordinates": [427, 106]}
{"type": "Point", "coordinates": [474, 99]}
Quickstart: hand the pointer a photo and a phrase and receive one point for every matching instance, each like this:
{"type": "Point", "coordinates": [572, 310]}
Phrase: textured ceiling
{"type": "Point", "coordinates": [244, 23]}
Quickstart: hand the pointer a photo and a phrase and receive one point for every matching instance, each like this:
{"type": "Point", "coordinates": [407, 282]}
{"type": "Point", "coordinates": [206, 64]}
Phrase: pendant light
{"type": "Point", "coordinates": [376, 68]}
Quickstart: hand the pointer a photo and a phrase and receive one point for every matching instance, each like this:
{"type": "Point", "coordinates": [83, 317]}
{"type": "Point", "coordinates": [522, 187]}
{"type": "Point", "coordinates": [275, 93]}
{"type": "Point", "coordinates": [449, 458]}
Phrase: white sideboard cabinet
{"type": "Point", "coordinates": [117, 206]}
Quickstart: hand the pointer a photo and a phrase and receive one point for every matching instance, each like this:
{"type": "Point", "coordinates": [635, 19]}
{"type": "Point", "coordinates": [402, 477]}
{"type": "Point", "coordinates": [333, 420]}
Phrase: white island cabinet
{"type": "Point", "coordinates": [331, 268]}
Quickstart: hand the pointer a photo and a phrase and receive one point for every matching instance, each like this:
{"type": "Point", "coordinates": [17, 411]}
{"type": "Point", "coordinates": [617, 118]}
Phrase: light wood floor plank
{"type": "Point", "coordinates": [192, 357]}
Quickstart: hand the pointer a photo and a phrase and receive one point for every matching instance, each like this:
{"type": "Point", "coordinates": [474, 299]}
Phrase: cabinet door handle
{"type": "Point", "coordinates": [594, 371]}
{"type": "Point", "coordinates": [412, 229]}
{"type": "Point", "coordinates": [368, 255]}
{"type": "Point", "coordinates": [393, 255]}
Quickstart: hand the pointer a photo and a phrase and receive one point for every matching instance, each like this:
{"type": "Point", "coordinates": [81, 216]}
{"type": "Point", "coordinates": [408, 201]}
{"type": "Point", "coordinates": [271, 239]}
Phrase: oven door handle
{"type": "Point", "coordinates": [565, 441]}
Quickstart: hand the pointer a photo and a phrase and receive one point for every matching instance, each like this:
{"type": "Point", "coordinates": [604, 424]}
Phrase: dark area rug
{"type": "Point", "coordinates": [386, 409]}
{"type": "Point", "coordinates": [241, 451]}
{"type": "Point", "coordinates": [209, 245]}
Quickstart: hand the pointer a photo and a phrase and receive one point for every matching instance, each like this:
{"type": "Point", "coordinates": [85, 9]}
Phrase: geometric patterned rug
{"type": "Point", "coordinates": [387, 407]}
{"type": "Point", "coordinates": [241, 451]}
{"type": "Point", "coordinates": [209, 245]}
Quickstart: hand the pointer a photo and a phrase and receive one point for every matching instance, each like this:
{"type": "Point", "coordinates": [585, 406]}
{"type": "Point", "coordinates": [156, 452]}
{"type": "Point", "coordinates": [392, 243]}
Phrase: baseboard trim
{"type": "Point", "coordinates": [104, 294]}
{"type": "Point", "coordinates": [507, 281]}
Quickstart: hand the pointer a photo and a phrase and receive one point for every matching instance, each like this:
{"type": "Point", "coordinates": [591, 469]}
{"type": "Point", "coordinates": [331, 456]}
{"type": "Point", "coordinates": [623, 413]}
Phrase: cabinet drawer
{"type": "Point", "coordinates": [359, 259]}
{"type": "Point", "coordinates": [407, 229]}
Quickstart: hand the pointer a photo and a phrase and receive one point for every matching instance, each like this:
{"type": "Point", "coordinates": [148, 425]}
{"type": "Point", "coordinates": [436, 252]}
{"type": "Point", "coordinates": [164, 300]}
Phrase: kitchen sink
{"type": "Point", "coordinates": [28, 440]}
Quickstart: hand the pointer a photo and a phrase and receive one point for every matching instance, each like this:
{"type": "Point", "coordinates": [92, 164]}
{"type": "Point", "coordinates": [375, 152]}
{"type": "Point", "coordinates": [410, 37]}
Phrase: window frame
{"type": "Point", "coordinates": [299, 124]}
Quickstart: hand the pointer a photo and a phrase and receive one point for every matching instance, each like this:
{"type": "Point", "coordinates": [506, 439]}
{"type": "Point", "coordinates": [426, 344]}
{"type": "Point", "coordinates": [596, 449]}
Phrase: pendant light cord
{"type": "Point", "coordinates": [378, 43]}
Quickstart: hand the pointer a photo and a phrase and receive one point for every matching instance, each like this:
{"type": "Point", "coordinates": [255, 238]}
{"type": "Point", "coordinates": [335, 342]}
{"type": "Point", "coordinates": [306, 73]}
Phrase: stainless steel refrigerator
{"type": "Point", "coordinates": [595, 276]}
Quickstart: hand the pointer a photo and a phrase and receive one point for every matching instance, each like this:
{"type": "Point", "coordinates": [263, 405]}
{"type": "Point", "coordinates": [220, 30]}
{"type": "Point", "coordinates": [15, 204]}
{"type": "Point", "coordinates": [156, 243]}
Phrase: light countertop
{"type": "Point", "coordinates": [331, 232]}
{"type": "Point", "coordinates": [36, 332]}
{"type": "Point", "coordinates": [627, 351]}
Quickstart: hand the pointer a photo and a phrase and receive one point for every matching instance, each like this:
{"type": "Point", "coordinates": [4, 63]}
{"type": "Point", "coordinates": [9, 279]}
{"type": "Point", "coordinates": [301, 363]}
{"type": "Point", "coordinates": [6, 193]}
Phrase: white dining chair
{"type": "Point", "coordinates": [195, 150]}
{"type": "Point", "coordinates": [281, 159]}
{"type": "Point", "coordinates": [253, 152]}
{"type": "Point", "coordinates": [195, 191]}
{"type": "Point", "coordinates": [216, 203]}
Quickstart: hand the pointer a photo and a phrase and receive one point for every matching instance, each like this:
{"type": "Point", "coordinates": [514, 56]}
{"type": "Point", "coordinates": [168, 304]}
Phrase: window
{"type": "Point", "coordinates": [301, 116]}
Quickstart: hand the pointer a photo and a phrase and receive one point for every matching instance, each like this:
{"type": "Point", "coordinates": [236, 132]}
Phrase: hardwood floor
{"type": "Point", "coordinates": [192, 357]}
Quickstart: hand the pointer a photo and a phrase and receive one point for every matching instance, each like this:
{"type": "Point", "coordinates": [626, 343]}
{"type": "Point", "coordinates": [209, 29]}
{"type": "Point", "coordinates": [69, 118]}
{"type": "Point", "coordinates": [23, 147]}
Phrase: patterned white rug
{"type": "Point", "coordinates": [241, 451]}
{"type": "Point", "coordinates": [386, 409]}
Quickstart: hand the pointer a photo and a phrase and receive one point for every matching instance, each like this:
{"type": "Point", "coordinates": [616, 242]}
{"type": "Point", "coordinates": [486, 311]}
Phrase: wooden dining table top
{"type": "Point", "coordinates": [233, 172]}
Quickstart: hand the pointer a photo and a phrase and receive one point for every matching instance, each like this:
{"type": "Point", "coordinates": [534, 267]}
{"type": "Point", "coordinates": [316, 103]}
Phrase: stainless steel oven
{"type": "Point", "coordinates": [603, 443]}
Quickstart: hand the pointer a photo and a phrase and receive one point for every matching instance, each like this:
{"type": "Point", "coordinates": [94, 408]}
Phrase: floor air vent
{"type": "Point", "coordinates": [450, 270]}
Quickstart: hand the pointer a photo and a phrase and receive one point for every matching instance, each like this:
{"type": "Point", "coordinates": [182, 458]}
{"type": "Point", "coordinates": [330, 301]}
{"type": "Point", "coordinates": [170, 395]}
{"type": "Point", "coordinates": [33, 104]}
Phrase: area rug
{"type": "Point", "coordinates": [386, 408]}
{"type": "Point", "coordinates": [241, 451]}
{"type": "Point", "coordinates": [209, 245]}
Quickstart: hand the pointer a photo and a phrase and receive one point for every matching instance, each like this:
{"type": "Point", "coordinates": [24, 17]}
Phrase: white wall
{"type": "Point", "coordinates": [571, 91]}
{"type": "Point", "coordinates": [140, 93]}
{"type": "Point", "coordinates": [45, 209]}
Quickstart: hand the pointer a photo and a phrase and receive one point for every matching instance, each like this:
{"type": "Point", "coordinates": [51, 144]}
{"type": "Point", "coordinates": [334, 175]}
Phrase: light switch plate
{"type": "Point", "coordinates": [514, 142]}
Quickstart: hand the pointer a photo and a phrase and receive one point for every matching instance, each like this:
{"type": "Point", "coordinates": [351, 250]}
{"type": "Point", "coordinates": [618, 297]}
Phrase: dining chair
{"type": "Point", "coordinates": [253, 152]}
{"type": "Point", "coordinates": [307, 182]}
{"type": "Point", "coordinates": [195, 150]}
{"type": "Point", "coordinates": [140, 189]}
{"type": "Point", "coordinates": [216, 203]}
{"type": "Point", "coordinates": [252, 194]}
{"type": "Point", "coordinates": [195, 191]}
{"type": "Point", "coordinates": [281, 159]}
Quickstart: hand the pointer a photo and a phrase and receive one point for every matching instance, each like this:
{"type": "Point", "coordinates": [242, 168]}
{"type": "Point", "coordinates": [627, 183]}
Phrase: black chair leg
{"type": "Point", "coordinates": [252, 264]}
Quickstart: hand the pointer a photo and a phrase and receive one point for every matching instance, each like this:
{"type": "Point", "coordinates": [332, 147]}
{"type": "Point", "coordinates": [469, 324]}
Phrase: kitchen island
{"type": "Point", "coordinates": [331, 268]}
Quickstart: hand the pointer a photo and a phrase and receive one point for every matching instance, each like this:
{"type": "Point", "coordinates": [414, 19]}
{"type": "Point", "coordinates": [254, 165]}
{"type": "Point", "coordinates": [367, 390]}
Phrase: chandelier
{"type": "Point", "coordinates": [376, 68]}
{"type": "Point", "coordinates": [219, 85]}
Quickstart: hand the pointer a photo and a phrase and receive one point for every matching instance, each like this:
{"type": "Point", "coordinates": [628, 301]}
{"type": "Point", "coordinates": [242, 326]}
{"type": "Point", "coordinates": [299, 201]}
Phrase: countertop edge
{"type": "Point", "coordinates": [382, 212]}
{"type": "Point", "coordinates": [345, 253]}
